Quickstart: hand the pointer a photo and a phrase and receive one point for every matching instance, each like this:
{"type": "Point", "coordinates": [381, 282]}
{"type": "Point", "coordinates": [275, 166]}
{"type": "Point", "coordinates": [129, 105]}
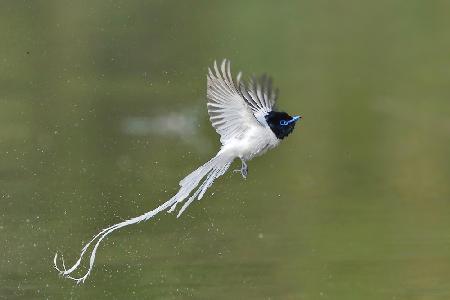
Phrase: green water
{"type": "Point", "coordinates": [355, 204]}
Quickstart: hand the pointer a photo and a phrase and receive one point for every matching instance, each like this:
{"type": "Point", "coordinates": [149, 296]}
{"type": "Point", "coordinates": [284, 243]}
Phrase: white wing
{"type": "Point", "coordinates": [259, 95]}
{"type": "Point", "coordinates": [235, 108]}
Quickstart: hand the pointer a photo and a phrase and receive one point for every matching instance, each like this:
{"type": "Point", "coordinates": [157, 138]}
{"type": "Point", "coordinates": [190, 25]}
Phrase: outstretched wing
{"type": "Point", "coordinates": [259, 95]}
{"type": "Point", "coordinates": [229, 113]}
{"type": "Point", "coordinates": [234, 108]}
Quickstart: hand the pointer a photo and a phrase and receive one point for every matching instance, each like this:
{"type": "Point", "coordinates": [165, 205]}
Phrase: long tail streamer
{"type": "Point", "coordinates": [213, 169]}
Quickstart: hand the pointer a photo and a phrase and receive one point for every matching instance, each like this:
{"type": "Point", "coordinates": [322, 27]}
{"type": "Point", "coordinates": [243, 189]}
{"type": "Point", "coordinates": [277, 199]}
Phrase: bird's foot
{"type": "Point", "coordinates": [243, 173]}
{"type": "Point", "coordinates": [243, 170]}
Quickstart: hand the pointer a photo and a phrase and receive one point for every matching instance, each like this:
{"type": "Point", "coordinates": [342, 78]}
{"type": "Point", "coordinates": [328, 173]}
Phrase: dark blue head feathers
{"type": "Point", "coordinates": [281, 123]}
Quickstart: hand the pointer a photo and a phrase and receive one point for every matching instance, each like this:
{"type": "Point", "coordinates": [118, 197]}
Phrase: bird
{"type": "Point", "coordinates": [244, 115]}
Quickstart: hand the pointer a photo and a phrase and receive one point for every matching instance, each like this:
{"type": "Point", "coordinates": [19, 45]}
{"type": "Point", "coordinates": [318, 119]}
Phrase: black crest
{"type": "Point", "coordinates": [278, 122]}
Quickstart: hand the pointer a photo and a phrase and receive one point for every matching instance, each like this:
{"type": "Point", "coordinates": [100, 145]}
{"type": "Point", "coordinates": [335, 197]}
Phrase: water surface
{"type": "Point", "coordinates": [102, 112]}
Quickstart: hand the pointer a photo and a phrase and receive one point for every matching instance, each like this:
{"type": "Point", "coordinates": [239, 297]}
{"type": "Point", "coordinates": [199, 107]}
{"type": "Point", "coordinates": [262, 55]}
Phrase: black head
{"type": "Point", "coordinates": [281, 123]}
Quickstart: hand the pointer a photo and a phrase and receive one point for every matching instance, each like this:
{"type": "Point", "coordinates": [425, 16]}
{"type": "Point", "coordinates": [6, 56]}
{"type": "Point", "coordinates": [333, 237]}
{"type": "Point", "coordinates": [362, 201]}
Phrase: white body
{"type": "Point", "coordinates": [255, 142]}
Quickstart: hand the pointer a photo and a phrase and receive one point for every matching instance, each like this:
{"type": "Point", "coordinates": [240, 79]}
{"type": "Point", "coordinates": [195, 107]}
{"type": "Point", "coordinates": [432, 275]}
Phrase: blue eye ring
{"type": "Point", "coordinates": [284, 122]}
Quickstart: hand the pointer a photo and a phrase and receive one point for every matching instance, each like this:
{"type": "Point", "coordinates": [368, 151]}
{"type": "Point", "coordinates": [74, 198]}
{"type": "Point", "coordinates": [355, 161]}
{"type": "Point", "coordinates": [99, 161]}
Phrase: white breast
{"type": "Point", "coordinates": [254, 143]}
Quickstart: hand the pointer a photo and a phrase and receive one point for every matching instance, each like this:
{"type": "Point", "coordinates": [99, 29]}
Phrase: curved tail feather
{"type": "Point", "coordinates": [213, 169]}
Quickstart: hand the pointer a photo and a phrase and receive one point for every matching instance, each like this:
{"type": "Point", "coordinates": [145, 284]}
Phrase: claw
{"type": "Point", "coordinates": [243, 170]}
{"type": "Point", "coordinates": [244, 173]}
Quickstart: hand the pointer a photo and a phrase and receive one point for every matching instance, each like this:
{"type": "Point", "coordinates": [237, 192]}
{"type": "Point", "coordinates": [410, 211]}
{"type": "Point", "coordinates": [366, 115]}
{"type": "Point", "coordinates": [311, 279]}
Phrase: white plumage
{"type": "Point", "coordinates": [237, 111]}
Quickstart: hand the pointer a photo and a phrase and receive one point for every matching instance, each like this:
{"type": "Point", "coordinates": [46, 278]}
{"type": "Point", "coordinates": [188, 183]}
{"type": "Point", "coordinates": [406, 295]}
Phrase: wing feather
{"type": "Point", "coordinates": [235, 107]}
{"type": "Point", "coordinates": [228, 111]}
{"type": "Point", "coordinates": [258, 93]}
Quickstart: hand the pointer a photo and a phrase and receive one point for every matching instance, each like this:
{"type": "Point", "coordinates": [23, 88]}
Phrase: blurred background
{"type": "Point", "coordinates": [102, 112]}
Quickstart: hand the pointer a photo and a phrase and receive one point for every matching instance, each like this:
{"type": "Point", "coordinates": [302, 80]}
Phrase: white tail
{"type": "Point", "coordinates": [213, 169]}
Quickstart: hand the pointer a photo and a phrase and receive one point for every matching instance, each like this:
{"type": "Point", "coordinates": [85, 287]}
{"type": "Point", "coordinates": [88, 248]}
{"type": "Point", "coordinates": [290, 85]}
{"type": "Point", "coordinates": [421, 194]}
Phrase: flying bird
{"type": "Point", "coordinates": [243, 114]}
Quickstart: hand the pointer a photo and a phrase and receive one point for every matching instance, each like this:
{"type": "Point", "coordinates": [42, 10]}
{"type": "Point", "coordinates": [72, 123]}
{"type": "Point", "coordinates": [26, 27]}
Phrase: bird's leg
{"type": "Point", "coordinates": [243, 170]}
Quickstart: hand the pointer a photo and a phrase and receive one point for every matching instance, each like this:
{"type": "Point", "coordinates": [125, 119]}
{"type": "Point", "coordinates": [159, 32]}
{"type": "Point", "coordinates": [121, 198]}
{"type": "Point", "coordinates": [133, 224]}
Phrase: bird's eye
{"type": "Point", "coordinates": [284, 122]}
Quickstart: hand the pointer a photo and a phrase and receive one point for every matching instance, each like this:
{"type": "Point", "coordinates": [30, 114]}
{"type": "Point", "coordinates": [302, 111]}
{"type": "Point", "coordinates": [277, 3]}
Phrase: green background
{"type": "Point", "coordinates": [102, 112]}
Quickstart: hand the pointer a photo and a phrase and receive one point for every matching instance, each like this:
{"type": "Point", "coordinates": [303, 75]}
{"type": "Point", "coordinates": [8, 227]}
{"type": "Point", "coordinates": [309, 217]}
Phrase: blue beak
{"type": "Point", "coordinates": [295, 118]}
